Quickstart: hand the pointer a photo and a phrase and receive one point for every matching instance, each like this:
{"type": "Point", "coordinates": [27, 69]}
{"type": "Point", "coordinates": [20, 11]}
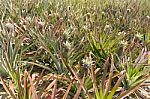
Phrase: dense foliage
{"type": "Point", "coordinates": [70, 49]}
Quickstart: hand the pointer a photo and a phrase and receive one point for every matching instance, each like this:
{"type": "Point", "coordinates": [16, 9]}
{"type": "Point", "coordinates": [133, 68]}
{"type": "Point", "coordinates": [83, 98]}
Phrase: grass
{"type": "Point", "coordinates": [74, 49]}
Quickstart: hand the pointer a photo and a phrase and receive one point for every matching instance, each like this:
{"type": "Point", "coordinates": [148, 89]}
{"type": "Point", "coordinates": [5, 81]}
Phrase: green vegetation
{"type": "Point", "coordinates": [70, 49]}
